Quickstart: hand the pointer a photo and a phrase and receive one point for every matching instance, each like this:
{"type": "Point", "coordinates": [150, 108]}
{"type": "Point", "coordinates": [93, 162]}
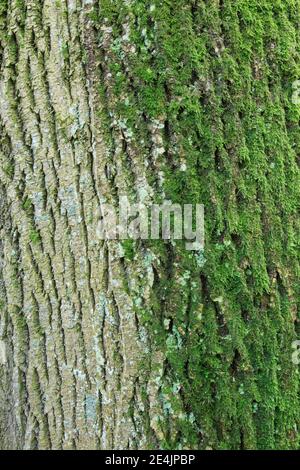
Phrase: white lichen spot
{"type": "Point", "coordinates": [126, 35]}
{"type": "Point", "coordinates": [91, 407]}
{"type": "Point", "coordinates": [106, 29]}
{"type": "Point", "coordinates": [158, 151]}
{"type": "Point", "coordinates": [200, 259]}
{"type": "Point", "coordinates": [138, 302]}
{"type": "Point", "coordinates": [184, 278]}
{"type": "Point", "coordinates": [3, 358]}
{"type": "Point", "coordinates": [143, 194]}
{"type": "Point", "coordinates": [80, 375]}
{"type": "Point", "coordinates": [167, 407]}
{"type": "Point", "coordinates": [176, 387]}
{"type": "Point", "coordinates": [161, 178]}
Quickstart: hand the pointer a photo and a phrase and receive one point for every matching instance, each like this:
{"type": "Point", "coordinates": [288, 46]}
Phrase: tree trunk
{"type": "Point", "coordinates": [142, 344]}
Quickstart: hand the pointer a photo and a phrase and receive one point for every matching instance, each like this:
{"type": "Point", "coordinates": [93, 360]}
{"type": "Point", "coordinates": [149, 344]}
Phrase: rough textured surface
{"type": "Point", "coordinates": [143, 344]}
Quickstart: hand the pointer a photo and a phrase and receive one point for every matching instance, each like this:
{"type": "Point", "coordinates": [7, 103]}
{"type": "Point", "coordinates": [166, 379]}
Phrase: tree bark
{"type": "Point", "coordinates": [143, 344]}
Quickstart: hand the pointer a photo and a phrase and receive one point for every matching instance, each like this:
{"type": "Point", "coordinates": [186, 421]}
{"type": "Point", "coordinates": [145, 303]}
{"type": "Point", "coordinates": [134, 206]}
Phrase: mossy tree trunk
{"type": "Point", "coordinates": [143, 344]}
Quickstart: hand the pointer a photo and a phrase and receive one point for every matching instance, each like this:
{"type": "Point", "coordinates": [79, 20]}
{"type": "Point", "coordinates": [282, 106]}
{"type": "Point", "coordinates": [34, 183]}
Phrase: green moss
{"type": "Point", "coordinates": [9, 170]}
{"type": "Point", "coordinates": [65, 52]}
{"type": "Point", "coordinates": [35, 237]}
{"type": "Point", "coordinates": [28, 206]}
{"type": "Point", "coordinates": [129, 249]}
{"type": "Point", "coordinates": [21, 12]}
{"type": "Point", "coordinates": [219, 81]}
